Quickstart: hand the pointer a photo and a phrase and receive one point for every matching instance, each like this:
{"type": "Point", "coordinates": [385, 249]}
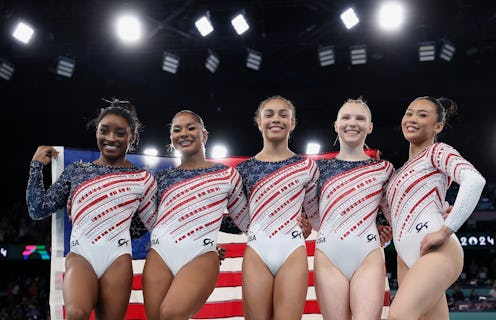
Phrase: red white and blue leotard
{"type": "Point", "coordinates": [350, 195]}
{"type": "Point", "coordinates": [191, 206]}
{"type": "Point", "coordinates": [101, 201]}
{"type": "Point", "coordinates": [417, 191]}
{"type": "Point", "coordinates": [277, 191]}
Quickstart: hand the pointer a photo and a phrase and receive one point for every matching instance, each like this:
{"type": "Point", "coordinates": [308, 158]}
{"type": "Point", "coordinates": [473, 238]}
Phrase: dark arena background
{"type": "Point", "coordinates": [41, 104]}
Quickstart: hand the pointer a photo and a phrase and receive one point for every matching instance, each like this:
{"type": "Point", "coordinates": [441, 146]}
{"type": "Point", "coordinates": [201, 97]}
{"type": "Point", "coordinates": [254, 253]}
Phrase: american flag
{"type": "Point", "coordinates": [225, 302]}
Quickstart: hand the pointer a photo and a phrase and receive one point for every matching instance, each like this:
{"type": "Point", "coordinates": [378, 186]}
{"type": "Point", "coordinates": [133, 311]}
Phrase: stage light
{"type": "Point", "coordinates": [447, 50]}
{"type": "Point", "coordinates": [427, 51]}
{"type": "Point", "coordinates": [358, 54]}
{"type": "Point", "coordinates": [239, 24]}
{"type": "Point", "coordinates": [391, 16]}
{"type": "Point", "coordinates": [326, 55]}
{"type": "Point", "coordinates": [150, 151]}
{"type": "Point", "coordinates": [6, 69]}
{"type": "Point", "coordinates": [212, 62]}
{"type": "Point", "coordinates": [65, 66]}
{"type": "Point", "coordinates": [23, 32]}
{"type": "Point", "coordinates": [204, 25]}
{"type": "Point", "coordinates": [253, 59]}
{"type": "Point", "coordinates": [128, 28]}
{"type": "Point", "coordinates": [170, 62]}
{"type": "Point", "coordinates": [349, 18]}
{"type": "Point", "coordinates": [219, 152]}
{"type": "Point", "coordinates": [313, 148]}
{"type": "Point", "coordinates": [151, 157]}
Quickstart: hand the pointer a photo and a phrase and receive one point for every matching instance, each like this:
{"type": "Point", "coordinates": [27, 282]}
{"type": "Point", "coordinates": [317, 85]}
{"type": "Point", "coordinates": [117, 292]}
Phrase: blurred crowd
{"type": "Point", "coordinates": [24, 296]}
{"type": "Point", "coordinates": [17, 227]}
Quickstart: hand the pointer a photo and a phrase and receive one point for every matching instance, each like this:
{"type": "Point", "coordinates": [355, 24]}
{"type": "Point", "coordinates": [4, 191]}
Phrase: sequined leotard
{"type": "Point", "coordinates": [191, 206]}
{"type": "Point", "coordinates": [277, 191]}
{"type": "Point", "coordinates": [101, 201]}
{"type": "Point", "coordinates": [350, 195]}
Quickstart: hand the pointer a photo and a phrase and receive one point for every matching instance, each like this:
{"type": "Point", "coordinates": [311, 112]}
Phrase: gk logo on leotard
{"type": "Point", "coordinates": [252, 238]}
{"type": "Point", "coordinates": [371, 237]}
{"type": "Point", "coordinates": [122, 242]}
{"type": "Point", "coordinates": [296, 234]}
{"type": "Point", "coordinates": [208, 241]}
{"type": "Point", "coordinates": [321, 240]}
{"type": "Point", "coordinates": [74, 243]}
{"type": "Point", "coordinates": [421, 225]}
{"type": "Point", "coordinates": [155, 241]}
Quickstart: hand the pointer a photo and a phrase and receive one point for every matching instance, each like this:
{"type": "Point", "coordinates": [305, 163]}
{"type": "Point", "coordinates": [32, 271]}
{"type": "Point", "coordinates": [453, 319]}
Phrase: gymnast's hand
{"type": "Point", "coordinates": [434, 240]}
{"type": "Point", "coordinates": [221, 252]}
{"type": "Point", "coordinates": [305, 225]}
{"type": "Point", "coordinates": [447, 209]}
{"type": "Point", "coordinates": [44, 154]}
{"type": "Point", "coordinates": [385, 234]}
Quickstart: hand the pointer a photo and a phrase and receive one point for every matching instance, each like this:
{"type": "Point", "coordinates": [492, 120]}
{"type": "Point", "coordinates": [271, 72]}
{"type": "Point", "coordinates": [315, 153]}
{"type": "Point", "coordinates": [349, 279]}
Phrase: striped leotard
{"type": "Point", "coordinates": [350, 195]}
{"type": "Point", "coordinates": [417, 191]}
{"type": "Point", "coordinates": [191, 206]}
{"type": "Point", "coordinates": [101, 201]}
{"type": "Point", "coordinates": [277, 191]}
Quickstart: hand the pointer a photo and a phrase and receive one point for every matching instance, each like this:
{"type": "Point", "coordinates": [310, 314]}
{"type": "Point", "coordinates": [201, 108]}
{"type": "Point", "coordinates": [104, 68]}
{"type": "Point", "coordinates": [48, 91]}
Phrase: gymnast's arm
{"type": "Point", "coordinates": [41, 203]}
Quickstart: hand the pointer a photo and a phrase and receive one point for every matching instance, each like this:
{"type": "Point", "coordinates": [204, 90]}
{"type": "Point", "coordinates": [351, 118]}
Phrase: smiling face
{"type": "Point", "coordinates": [420, 123]}
{"type": "Point", "coordinates": [353, 124]}
{"type": "Point", "coordinates": [276, 120]}
{"type": "Point", "coordinates": [113, 136]}
{"type": "Point", "coordinates": [187, 135]}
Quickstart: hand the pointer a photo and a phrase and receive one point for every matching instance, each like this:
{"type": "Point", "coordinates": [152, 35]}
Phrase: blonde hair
{"type": "Point", "coordinates": [359, 100]}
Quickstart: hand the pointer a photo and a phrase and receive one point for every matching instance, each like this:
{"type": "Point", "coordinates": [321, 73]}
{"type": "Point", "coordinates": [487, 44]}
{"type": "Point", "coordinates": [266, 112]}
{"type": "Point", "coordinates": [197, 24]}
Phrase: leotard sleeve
{"type": "Point", "coordinates": [458, 169]}
{"type": "Point", "coordinates": [41, 203]}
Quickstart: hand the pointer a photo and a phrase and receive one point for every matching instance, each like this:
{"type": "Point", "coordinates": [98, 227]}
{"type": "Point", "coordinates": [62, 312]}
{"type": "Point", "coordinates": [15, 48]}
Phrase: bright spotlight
{"type": "Point", "coordinates": [204, 25]}
{"type": "Point", "coordinates": [151, 152]}
{"type": "Point", "coordinates": [219, 152]}
{"type": "Point", "coordinates": [129, 28]}
{"type": "Point", "coordinates": [391, 16]}
{"type": "Point", "coordinates": [23, 32]}
{"type": "Point", "coordinates": [151, 157]}
{"type": "Point", "coordinates": [239, 24]}
{"type": "Point", "coordinates": [349, 18]}
{"type": "Point", "coordinates": [313, 148]}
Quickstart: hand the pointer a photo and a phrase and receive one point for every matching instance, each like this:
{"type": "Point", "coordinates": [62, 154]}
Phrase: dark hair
{"type": "Point", "coordinates": [445, 107]}
{"type": "Point", "coordinates": [276, 97]}
{"type": "Point", "coordinates": [124, 109]}
{"type": "Point", "coordinates": [194, 114]}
